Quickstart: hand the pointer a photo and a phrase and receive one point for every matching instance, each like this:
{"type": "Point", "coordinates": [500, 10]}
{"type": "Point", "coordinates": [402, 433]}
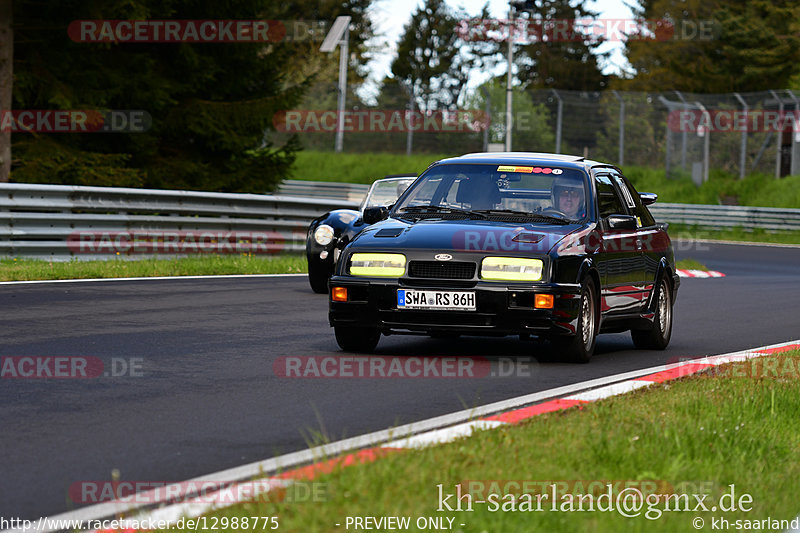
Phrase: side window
{"type": "Point", "coordinates": [625, 192]}
{"type": "Point", "coordinates": [608, 201]}
{"type": "Point", "coordinates": [635, 203]}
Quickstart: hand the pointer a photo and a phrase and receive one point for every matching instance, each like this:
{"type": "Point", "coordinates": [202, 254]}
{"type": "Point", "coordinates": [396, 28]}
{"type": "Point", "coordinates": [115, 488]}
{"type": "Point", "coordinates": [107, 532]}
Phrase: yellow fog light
{"type": "Point", "coordinates": [511, 269]}
{"type": "Point", "coordinates": [380, 265]}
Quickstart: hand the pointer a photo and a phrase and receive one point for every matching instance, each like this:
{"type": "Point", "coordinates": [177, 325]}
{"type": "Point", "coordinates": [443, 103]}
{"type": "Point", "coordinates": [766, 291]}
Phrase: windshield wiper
{"type": "Point", "coordinates": [526, 214]}
{"type": "Point", "coordinates": [430, 209]}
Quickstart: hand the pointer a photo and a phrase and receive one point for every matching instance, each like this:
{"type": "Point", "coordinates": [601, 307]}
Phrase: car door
{"type": "Point", "coordinates": [619, 258]}
{"type": "Point", "coordinates": [651, 238]}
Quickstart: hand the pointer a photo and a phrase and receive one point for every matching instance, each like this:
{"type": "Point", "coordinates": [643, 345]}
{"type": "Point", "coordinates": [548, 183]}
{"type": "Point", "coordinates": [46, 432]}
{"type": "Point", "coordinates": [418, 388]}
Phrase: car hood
{"type": "Point", "coordinates": [463, 235]}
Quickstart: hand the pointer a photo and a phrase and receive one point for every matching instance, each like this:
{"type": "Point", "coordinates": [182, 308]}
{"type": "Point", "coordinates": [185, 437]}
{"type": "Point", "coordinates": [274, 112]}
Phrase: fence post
{"type": "Point", "coordinates": [684, 136]}
{"type": "Point", "coordinates": [343, 56]}
{"type": "Point", "coordinates": [669, 153]}
{"type": "Point", "coordinates": [795, 166]}
{"type": "Point", "coordinates": [706, 141]}
{"type": "Point", "coordinates": [621, 158]}
{"type": "Point", "coordinates": [778, 136]}
{"type": "Point", "coordinates": [509, 93]}
{"type": "Point", "coordinates": [410, 133]}
{"type": "Point", "coordinates": [743, 148]}
{"type": "Point", "coordinates": [488, 119]}
{"type": "Point", "coordinates": [668, 162]}
{"type": "Point", "coordinates": [558, 120]}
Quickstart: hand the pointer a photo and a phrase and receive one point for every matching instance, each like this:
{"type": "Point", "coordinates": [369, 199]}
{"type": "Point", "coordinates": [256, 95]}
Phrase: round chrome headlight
{"type": "Point", "coordinates": [323, 235]}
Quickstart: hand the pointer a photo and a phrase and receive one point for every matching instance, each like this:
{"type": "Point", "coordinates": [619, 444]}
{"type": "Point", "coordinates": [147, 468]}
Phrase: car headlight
{"type": "Point", "coordinates": [381, 265]}
{"type": "Point", "coordinates": [323, 235]}
{"type": "Point", "coordinates": [511, 269]}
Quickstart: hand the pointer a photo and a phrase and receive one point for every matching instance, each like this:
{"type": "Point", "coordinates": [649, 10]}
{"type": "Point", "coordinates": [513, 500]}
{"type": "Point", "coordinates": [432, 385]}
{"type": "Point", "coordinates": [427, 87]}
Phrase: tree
{"type": "Point", "coordinates": [746, 46]}
{"type": "Point", "coordinates": [310, 62]}
{"type": "Point", "coordinates": [531, 133]}
{"type": "Point", "coordinates": [426, 56]}
{"type": "Point", "coordinates": [475, 55]}
{"type": "Point", "coordinates": [211, 103]}
{"type": "Point", "coordinates": [561, 56]}
{"type": "Point", "coordinates": [435, 58]}
{"type": "Point", "coordinates": [6, 82]}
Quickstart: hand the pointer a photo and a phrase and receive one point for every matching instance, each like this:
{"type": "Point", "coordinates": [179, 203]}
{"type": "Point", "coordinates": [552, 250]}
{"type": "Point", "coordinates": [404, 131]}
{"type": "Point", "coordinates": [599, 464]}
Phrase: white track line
{"type": "Point", "coordinates": [440, 436]}
{"type": "Point", "coordinates": [608, 390]}
{"type": "Point", "coordinates": [691, 273]}
{"type": "Point", "coordinates": [742, 243]}
{"type": "Point", "coordinates": [216, 276]}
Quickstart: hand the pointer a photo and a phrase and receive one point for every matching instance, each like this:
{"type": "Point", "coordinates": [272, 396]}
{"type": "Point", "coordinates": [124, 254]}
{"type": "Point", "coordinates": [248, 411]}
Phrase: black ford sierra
{"type": "Point", "coordinates": [509, 244]}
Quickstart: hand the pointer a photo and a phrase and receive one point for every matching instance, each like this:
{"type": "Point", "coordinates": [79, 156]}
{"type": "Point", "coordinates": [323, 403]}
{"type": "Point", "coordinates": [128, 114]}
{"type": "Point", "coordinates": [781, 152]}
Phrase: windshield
{"type": "Point", "coordinates": [499, 190]}
{"type": "Point", "coordinates": [386, 192]}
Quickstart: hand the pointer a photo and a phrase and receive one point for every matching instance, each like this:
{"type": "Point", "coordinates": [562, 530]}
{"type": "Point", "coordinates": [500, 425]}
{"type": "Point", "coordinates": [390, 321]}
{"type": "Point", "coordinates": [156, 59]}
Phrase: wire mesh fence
{"type": "Point", "coordinates": [685, 134]}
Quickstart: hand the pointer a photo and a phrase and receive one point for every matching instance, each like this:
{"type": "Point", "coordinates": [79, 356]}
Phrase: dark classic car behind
{"type": "Point", "coordinates": [330, 233]}
{"type": "Point", "coordinates": [509, 244]}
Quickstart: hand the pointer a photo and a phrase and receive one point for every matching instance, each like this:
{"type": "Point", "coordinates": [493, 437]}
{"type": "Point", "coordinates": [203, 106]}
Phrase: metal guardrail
{"type": "Point", "coordinates": [353, 192]}
{"type": "Point", "coordinates": [61, 222]}
{"type": "Point", "coordinates": [728, 216]}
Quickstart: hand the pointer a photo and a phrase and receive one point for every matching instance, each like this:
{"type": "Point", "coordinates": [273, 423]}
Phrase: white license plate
{"type": "Point", "coordinates": [445, 300]}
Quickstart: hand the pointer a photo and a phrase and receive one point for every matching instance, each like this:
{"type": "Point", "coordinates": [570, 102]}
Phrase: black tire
{"type": "Point", "coordinates": [580, 347]}
{"type": "Point", "coordinates": [657, 336]}
{"type": "Point", "coordinates": [353, 339]}
{"type": "Point", "coordinates": [318, 276]}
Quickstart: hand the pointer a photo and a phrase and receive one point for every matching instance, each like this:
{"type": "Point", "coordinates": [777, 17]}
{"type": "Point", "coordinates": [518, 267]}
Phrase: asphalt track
{"type": "Point", "coordinates": [208, 398]}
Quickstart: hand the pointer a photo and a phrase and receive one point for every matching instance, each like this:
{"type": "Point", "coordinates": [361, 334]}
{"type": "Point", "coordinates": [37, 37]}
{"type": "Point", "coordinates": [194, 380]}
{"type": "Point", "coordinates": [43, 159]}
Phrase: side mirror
{"type": "Point", "coordinates": [622, 222]}
{"type": "Point", "coordinates": [648, 198]}
{"type": "Point", "coordinates": [375, 214]}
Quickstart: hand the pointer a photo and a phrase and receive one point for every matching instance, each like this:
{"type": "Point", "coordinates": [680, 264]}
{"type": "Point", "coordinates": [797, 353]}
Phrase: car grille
{"type": "Point", "coordinates": [441, 269]}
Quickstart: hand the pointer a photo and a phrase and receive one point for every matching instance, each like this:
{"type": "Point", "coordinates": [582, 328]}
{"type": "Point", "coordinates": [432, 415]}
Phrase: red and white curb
{"type": "Point", "coordinates": [690, 273]}
{"type": "Point", "coordinates": [306, 465]}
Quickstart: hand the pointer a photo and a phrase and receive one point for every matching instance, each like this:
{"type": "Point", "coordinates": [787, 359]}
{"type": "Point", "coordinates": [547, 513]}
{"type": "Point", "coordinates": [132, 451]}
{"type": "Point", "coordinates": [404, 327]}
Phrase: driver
{"type": "Point", "coordinates": [568, 197]}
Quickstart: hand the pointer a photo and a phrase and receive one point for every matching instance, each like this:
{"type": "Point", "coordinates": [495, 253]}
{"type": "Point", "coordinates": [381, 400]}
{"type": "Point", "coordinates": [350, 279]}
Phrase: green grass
{"type": "Point", "coordinates": [31, 269]}
{"type": "Point", "coordinates": [754, 190]}
{"type": "Point", "coordinates": [685, 232]}
{"type": "Point", "coordinates": [701, 433]}
{"type": "Point", "coordinates": [358, 168]}
{"type": "Point", "coordinates": [691, 264]}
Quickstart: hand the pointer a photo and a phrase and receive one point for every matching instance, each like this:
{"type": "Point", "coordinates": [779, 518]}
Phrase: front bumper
{"type": "Point", "coordinates": [501, 308]}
